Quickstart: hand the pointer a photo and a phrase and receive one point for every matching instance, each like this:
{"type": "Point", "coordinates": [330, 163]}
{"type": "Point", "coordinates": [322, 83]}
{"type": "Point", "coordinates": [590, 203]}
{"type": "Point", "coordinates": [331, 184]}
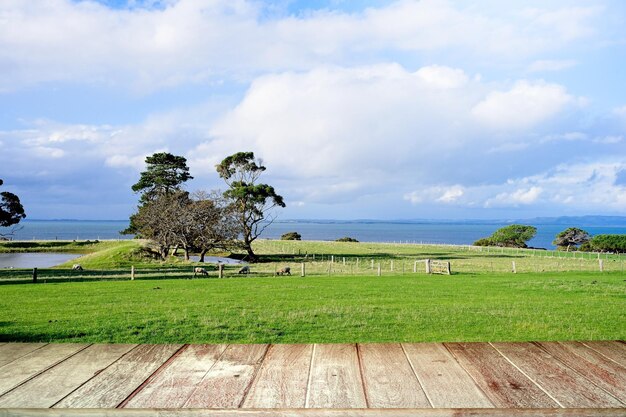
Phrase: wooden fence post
{"type": "Point", "coordinates": [601, 265]}
{"type": "Point", "coordinates": [514, 270]}
{"type": "Point", "coordinates": [448, 268]}
{"type": "Point", "coordinates": [344, 261]}
{"type": "Point", "coordinates": [332, 259]}
{"type": "Point", "coordinates": [132, 273]}
{"type": "Point", "coordinates": [415, 267]}
{"type": "Point", "coordinates": [220, 270]}
{"type": "Point", "coordinates": [427, 262]}
{"type": "Point", "coordinates": [391, 266]}
{"type": "Point", "coordinates": [378, 269]}
{"type": "Point", "coordinates": [302, 272]}
{"type": "Point", "coordinates": [372, 264]}
{"type": "Point", "coordinates": [34, 275]}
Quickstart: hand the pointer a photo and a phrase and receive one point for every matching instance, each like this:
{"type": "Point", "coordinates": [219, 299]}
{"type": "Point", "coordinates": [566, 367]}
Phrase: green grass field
{"type": "Point", "coordinates": [483, 300]}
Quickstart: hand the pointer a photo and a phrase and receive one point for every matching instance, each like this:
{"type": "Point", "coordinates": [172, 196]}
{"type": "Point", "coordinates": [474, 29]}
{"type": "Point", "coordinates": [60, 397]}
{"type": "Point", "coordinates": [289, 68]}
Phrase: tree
{"type": "Point", "coordinates": [215, 223]}
{"type": "Point", "coordinates": [291, 236]}
{"type": "Point", "coordinates": [165, 173]}
{"type": "Point", "coordinates": [11, 209]}
{"type": "Point", "coordinates": [606, 243]}
{"type": "Point", "coordinates": [252, 202]}
{"type": "Point", "coordinates": [512, 236]}
{"type": "Point", "coordinates": [571, 237]}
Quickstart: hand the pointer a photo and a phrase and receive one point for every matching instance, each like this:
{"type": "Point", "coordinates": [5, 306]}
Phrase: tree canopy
{"type": "Point", "coordinates": [252, 202]}
{"type": "Point", "coordinates": [513, 236]}
{"type": "Point", "coordinates": [571, 237]}
{"type": "Point", "coordinates": [164, 174]}
{"type": "Point", "coordinates": [11, 209]}
{"type": "Point", "coordinates": [606, 243]}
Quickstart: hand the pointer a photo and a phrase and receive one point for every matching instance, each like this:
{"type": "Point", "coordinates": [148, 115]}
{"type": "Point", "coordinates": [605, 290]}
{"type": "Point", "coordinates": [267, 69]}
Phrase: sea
{"type": "Point", "coordinates": [426, 232]}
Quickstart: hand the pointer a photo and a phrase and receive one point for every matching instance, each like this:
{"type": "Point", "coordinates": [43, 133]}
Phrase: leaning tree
{"type": "Point", "coordinates": [571, 237]}
{"type": "Point", "coordinates": [11, 209]}
{"type": "Point", "coordinates": [252, 202]}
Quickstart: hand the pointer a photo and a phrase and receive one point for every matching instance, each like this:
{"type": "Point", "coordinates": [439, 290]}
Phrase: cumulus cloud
{"type": "Point", "coordinates": [524, 105]}
{"type": "Point", "coordinates": [551, 65]}
{"type": "Point", "coordinates": [189, 41]}
{"type": "Point", "coordinates": [514, 198]}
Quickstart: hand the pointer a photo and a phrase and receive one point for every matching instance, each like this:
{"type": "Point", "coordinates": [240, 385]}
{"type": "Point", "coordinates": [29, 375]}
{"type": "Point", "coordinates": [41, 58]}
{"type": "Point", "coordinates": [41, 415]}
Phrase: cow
{"type": "Point", "coordinates": [244, 270]}
{"type": "Point", "coordinates": [284, 271]}
{"type": "Point", "coordinates": [198, 270]}
{"type": "Point", "coordinates": [77, 267]}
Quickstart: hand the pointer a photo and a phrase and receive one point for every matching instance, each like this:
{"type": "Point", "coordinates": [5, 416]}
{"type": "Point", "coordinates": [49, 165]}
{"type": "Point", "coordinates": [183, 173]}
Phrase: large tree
{"type": "Point", "coordinates": [11, 209]}
{"type": "Point", "coordinates": [164, 175]}
{"type": "Point", "coordinates": [569, 237]}
{"type": "Point", "coordinates": [252, 202]}
{"type": "Point", "coordinates": [512, 236]}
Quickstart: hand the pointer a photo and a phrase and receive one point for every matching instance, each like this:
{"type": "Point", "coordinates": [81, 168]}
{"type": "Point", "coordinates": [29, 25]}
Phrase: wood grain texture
{"type": "Point", "coordinates": [388, 378]}
{"type": "Point", "coordinates": [113, 385]}
{"type": "Point", "coordinates": [173, 385]}
{"type": "Point", "coordinates": [12, 351]}
{"type": "Point", "coordinates": [282, 380]}
{"type": "Point", "coordinates": [335, 380]}
{"type": "Point", "coordinates": [445, 382]}
{"type": "Point", "coordinates": [35, 362]}
{"type": "Point", "coordinates": [594, 366]}
{"type": "Point", "coordinates": [49, 387]}
{"type": "Point", "coordinates": [503, 383]}
{"type": "Point", "coordinates": [419, 412]}
{"type": "Point", "coordinates": [566, 386]}
{"type": "Point", "coordinates": [226, 384]}
{"type": "Point", "coordinates": [616, 351]}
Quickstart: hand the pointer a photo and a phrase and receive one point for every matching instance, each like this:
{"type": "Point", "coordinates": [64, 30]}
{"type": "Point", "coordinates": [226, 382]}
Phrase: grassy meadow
{"type": "Point", "coordinates": [554, 296]}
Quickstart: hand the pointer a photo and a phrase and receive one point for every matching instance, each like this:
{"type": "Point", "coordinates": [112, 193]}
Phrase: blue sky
{"type": "Point", "coordinates": [359, 109]}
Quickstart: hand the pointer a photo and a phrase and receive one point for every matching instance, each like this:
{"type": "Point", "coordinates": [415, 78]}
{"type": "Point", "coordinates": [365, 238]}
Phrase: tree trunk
{"type": "Point", "coordinates": [251, 255]}
{"type": "Point", "coordinates": [186, 248]}
{"type": "Point", "coordinates": [202, 253]}
{"type": "Point", "coordinates": [175, 252]}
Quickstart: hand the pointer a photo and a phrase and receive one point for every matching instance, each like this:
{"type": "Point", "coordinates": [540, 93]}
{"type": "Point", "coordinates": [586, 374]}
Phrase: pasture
{"type": "Point", "coordinates": [482, 300]}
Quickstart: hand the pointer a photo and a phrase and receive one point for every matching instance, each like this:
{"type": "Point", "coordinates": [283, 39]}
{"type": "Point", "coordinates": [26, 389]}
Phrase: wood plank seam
{"type": "Point", "coordinates": [254, 376]}
{"type": "Point", "coordinates": [527, 376]}
{"type": "Point", "coordinates": [95, 375]}
{"type": "Point", "coordinates": [308, 383]}
{"type": "Point", "coordinates": [608, 357]}
{"type": "Point", "coordinates": [419, 381]}
{"type": "Point", "coordinates": [363, 387]}
{"type": "Point", "coordinates": [217, 360]}
{"type": "Point", "coordinates": [27, 353]}
{"type": "Point", "coordinates": [45, 369]}
{"type": "Point", "coordinates": [154, 375]}
{"type": "Point", "coordinates": [620, 400]}
{"type": "Point", "coordinates": [467, 372]}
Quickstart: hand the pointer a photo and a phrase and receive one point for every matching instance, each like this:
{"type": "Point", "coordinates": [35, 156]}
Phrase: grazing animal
{"type": "Point", "coordinates": [284, 271]}
{"type": "Point", "coordinates": [77, 267]}
{"type": "Point", "coordinates": [245, 270]}
{"type": "Point", "coordinates": [199, 270]}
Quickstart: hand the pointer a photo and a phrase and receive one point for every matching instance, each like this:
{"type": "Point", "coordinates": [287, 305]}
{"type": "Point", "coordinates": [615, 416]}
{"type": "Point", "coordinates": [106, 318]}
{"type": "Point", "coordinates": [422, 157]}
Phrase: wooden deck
{"type": "Point", "coordinates": [430, 379]}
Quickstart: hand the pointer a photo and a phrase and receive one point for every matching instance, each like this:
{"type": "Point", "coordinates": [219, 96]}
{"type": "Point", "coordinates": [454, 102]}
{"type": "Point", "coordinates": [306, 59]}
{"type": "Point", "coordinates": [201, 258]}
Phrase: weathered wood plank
{"type": "Point", "coordinates": [570, 389]}
{"type": "Point", "coordinates": [37, 361]}
{"type": "Point", "coordinates": [418, 412]}
{"type": "Point", "coordinates": [47, 388]}
{"type": "Point", "coordinates": [503, 383]}
{"type": "Point", "coordinates": [225, 385]}
{"type": "Point", "coordinates": [282, 380]}
{"type": "Point", "coordinates": [388, 378]}
{"type": "Point", "coordinates": [594, 366]}
{"type": "Point", "coordinates": [12, 351]}
{"type": "Point", "coordinates": [616, 351]}
{"type": "Point", "coordinates": [113, 385]}
{"type": "Point", "coordinates": [335, 380]}
{"type": "Point", "coordinates": [445, 382]}
{"type": "Point", "coordinates": [173, 385]}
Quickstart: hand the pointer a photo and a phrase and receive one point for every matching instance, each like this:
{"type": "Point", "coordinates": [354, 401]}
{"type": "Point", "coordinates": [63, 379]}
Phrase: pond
{"type": "Point", "coordinates": [34, 260]}
{"type": "Point", "coordinates": [216, 259]}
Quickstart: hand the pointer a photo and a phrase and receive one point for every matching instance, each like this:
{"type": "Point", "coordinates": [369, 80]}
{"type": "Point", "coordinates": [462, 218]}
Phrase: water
{"type": "Point", "coordinates": [440, 233]}
{"type": "Point", "coordinates": [34, 260]}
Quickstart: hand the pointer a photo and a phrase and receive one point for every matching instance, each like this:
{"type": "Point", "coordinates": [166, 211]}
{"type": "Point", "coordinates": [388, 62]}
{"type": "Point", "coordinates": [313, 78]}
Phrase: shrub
{"type": "Point", "coordinates": [484, 242]}
{"type": "Point", "coordinates": [291, 236]}
{"type": "Point", "coordinates": [512, 236]}
{"type": "Point", "coordinates": [346, 239]}
{"type": "Point", "coordinates": [606, 243]}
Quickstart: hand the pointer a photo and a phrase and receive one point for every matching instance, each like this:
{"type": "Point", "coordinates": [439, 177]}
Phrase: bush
{"type": "Point", "coordinates": [484, 242]}
{"type": "Point", "coordinates": [291, 236]}
{"type": "Point", "coordinates": [346, 239]}
{"type": "Point", "coordinates": [606, 243]}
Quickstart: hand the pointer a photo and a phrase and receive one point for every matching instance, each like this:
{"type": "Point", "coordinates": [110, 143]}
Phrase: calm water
{"type": "Point", "coordinates": [447, 233]}
{"type": "Point", "coordinates": [34, 260]}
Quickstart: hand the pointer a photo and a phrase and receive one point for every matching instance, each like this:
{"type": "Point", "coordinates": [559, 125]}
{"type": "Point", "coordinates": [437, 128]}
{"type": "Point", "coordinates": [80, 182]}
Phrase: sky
{"type": "Point", "coordinates": [363, 109]}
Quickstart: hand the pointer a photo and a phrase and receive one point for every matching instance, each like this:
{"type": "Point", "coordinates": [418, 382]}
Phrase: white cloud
{"type": "Point", "coordinates": [514, 198]}
{"type": "Point", "coordinates": [608, 140]}
{"type": "Point", "coordinates": [551, 65]}
{"type": "Point", "coordinates": [436, 194]}
{"type": "Point", "coordinates": [190, 41]}
{"type": "Point", "coordinates": [526, 104]}
{"type": "Point", "coordinates": [442, 77]}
